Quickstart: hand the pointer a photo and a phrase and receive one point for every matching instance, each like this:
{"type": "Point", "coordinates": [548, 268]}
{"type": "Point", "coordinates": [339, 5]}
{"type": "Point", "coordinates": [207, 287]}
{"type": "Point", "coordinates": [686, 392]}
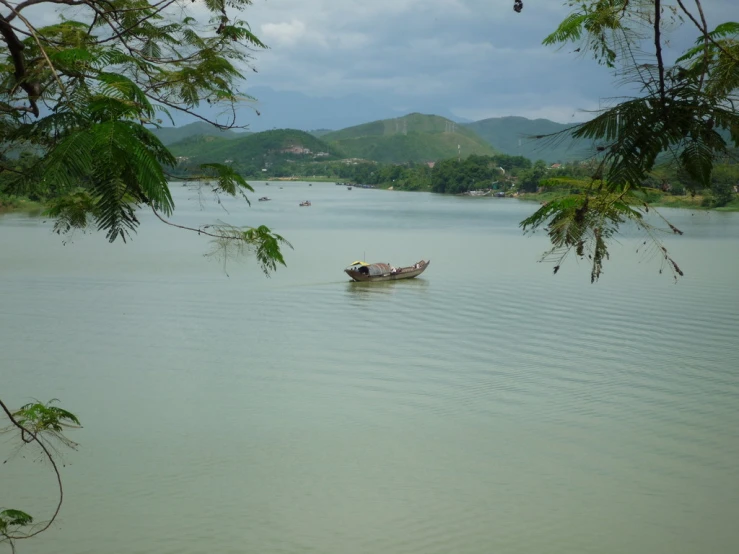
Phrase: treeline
{"type": "Point", "coordinates": [479, 172]}
{"type": "Point", "coordinates": [15, 185]}
{"type": "Point", "coordinates": [450, 176]}
{"type": "Point", "coordinates": [665, 179]}
{"type": "Point", "coordinates": [446, 176]}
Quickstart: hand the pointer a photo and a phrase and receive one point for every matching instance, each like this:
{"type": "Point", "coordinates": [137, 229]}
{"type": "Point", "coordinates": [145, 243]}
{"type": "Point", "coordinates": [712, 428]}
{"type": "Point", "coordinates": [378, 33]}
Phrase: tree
{"type": "Point", "coordinates": [84, 92]}
{"type": "Point", "coordinates": [80, 96]}
{"type": "Point", "coordinates": [530, 178]}
{"type": "Point", "coordinates": [679, 114]}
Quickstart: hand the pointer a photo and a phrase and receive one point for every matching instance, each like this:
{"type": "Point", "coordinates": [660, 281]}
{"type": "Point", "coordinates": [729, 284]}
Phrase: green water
{"type": "Point", "coordinates": [487, 407]}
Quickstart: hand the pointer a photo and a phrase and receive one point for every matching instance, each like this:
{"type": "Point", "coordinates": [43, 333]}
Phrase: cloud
{"type": "Point", "coordinates": [283, 34]}
{"type": "Point", "coordinates": [418, 53]}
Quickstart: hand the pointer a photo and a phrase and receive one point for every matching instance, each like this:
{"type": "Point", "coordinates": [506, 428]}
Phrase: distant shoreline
{"type": "Point", "coordinates": [685, 202]}
{"type": "Point", "coordinates": [21, 205]}
{"type": "Point", "coordinates": [33, 208]}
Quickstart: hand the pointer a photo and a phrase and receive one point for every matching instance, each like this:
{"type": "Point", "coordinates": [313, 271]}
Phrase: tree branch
{"type": "Point", "coordinates": [35, 438]}
{"type": "Point", "coordinates": [16, 47]}
{"type": "Point", "coordinates": [33, 31]}
{"type": "Point", "coordinates": [198, 230]}
{"type": "Point", "coordinates": [704, 28]}
{"type": "Point", "coordinates": [27, 3]}
{"type": "Point", "coordinates": [658, 50]}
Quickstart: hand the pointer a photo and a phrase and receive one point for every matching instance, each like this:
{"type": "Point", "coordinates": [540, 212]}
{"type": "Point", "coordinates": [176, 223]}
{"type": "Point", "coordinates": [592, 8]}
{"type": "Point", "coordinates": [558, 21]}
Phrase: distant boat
{"type": "Point", "coordinates": [306, 203]}
{"type": "Point", "coordinates": [310, 184]}
{"type": "Point", "coordinates": [348, 188]}
{"type": "Point", "coordinates": [362, 271]}
{"type": "Point", "coordinates": [264, 199]}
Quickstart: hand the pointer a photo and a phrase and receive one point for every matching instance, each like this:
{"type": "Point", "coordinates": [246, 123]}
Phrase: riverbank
{"type": "Point", "coordinates": [311, 179]}
{"type": "Point", "coordinates": [22, 205]}
{"type": "Point", "coordinates": [657, 200]}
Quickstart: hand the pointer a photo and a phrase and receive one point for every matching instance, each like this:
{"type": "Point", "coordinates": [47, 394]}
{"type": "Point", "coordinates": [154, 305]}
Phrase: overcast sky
{"type": "Point", "coordinates": [472, 59]}
{"type": "Point", "coordinates": [476, 57]}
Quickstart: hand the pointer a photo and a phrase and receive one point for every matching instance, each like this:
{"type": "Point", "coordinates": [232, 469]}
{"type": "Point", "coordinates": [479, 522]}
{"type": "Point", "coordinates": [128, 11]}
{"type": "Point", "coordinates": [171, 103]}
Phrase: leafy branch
{"type": "Point", "coordinates": [681, 116]}
{"type": "Point", "coordinates": [37, 424]}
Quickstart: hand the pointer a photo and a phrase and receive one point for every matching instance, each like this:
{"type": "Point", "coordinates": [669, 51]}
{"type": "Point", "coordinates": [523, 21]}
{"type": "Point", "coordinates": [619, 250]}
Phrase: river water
{"type": "Point", "coordinates": [488, 406]}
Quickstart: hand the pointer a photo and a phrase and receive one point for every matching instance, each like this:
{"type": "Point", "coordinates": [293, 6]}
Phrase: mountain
{"type": "Point", "coordinates": [512, 136]}
{"type": "Point", "coordinates": [412, 138]}
{"type": "Point", "coordinates": [320, 132]}
{"type": "Point", "coordinates": [170, 135]}
{"type": "Point", "coordinates": [254, 150]}
{"type": "Point", "coordinates": [280, 109]}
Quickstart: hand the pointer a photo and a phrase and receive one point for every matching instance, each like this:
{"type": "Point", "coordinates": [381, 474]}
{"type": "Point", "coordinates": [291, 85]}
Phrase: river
{"type": "Point", "coordinates": [488, 406]}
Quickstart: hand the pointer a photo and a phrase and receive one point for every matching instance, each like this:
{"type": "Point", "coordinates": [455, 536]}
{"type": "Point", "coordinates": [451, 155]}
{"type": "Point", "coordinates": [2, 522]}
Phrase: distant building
{"type": "Point", "coordinates": [431, 164]}
{"type": "Point", "coordinates": [295, 150]}
{"type": "Point", "coordinates": [555, 166]}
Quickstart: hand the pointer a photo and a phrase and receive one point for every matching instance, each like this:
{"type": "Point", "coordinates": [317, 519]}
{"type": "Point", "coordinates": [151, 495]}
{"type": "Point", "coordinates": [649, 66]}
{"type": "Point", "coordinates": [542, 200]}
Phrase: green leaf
{"type": "Point", "coordinates": [14, 517]}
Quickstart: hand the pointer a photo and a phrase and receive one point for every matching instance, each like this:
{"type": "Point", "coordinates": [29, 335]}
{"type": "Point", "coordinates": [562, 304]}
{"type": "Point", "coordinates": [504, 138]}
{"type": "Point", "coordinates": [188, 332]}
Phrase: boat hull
{"type": "Point", "coordinates": [405, 273]}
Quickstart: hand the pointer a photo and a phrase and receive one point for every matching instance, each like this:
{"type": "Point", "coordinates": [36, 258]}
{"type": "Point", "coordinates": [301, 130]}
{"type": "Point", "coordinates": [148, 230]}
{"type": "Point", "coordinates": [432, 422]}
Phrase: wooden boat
{"type": "Point", "coordinates": [265, 199]}
{"type": "Point", "coordinates": [306, 203]}
{"type": "Point", "coordinates": [362, 271]}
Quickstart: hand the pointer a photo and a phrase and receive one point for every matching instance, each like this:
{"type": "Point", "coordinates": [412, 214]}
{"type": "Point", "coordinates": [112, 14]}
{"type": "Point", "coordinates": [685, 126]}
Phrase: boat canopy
{"type": "Point", "coordinates": [358, 263]}
{"type": "Point", "coordinates": [373, 270]}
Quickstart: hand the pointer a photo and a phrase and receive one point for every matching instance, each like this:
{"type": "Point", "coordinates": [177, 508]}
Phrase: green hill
{"type": "Point", "coordinates": [170, 135]}
{"type": "Point", "coordinates": [512, 136]}
{"type": "Point", "coordinates": [254, 150]}
{"type": "Point", "coordinates": [320, 132]}
{"type": "Point", "coordinates": [412, 138]}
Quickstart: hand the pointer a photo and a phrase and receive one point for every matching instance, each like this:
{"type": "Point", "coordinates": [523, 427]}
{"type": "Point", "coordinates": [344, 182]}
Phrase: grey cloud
{"type": "Point", "coordinates": [465, 56]}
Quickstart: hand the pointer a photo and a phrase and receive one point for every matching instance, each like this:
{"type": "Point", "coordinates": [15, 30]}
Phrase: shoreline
{"type": "Point", "coordinates": [34, 208]}
{"type": "Point", "coordinates": [21, 205]}
{"type": "Point", "coordinates": [685, 202]}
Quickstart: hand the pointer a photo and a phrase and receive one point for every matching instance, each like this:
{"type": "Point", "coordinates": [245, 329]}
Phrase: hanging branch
{"type": "Point", "coordinates": [30, 436]}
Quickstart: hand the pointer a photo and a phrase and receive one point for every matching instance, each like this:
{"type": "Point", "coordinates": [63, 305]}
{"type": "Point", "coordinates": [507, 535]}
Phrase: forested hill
{"type": "Point", "coordinates": [252, 152]}
{"type": "Point", "coordinates": [412, 138]}
{"type": "Point", "coordinates": [170, 135]}
{"type": "Point", "coordinates": [512, 136]}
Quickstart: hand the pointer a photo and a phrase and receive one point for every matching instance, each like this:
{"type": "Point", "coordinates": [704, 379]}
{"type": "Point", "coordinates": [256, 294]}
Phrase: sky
{"type": "Point", "coordinates": [476, 58]}
{"type": "Point", "coordinates": [473, 58]}
{"type": "Point", "coordinates": [332, 63]}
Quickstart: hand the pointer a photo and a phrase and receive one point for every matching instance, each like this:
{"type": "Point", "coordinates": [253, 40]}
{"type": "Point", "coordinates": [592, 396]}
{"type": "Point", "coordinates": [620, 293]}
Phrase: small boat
{"type": "Point", "coordinates": [264, 199]}
{"type": "Point", "coordinates": [362, 271]}
{"type": "Point", "coordinates": [310, 184]}
{"type": "Point", "coordinates": [306, 203]}
{"type": "Point", "coordinates": [348, 188]}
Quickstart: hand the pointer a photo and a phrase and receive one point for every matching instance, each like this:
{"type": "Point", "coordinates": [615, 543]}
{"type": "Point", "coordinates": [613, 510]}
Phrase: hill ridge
{"type": "Point", "coordinates": [414, 137]}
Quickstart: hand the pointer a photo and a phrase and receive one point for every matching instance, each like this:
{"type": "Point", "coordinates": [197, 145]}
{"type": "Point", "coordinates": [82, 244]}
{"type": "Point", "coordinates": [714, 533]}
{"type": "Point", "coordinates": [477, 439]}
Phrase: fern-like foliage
{"type": "Point", "coordinates": [41, 425]}
{"type": "Point", "coordinates": [106, 78]}
{"type": "Point", "coordinates": [12, 522]}
{"type": "Point", "coordinates": [679, 116]}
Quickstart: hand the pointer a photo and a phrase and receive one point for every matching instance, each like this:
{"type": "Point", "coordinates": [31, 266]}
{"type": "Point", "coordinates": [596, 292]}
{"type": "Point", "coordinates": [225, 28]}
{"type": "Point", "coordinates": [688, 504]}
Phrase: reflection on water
{"type": "Point", "coordinates": [368, 290]}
